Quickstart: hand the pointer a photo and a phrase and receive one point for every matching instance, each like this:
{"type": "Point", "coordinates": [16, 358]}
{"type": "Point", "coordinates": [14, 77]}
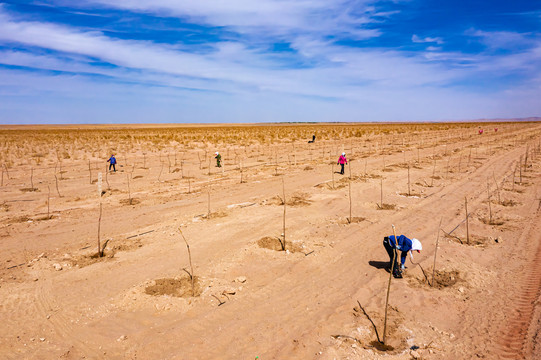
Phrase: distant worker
{"type": "Point", "coordinates": [480, 131]}
{"type": "Point", "coordinates": [112, 161]}
{"type": "Point", "coordinates": [218, 158]}
{"type": "Point", "coordinates": [342, 161]}
{"type": "Point", "coordinates": [313, 139]}
{"type": "Point", "coordinates": [405, 245]}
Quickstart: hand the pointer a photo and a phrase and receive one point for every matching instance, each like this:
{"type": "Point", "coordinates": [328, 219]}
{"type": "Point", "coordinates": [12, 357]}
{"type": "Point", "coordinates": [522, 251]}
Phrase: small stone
{"type": "Point", "coordinates": [451, 336]}
{"type": "Point", "coordinates": [33, 339]}
{"type": "Point", "coordinates": [241, 279]}
{"type": "Point", "coordinates": [57, 267]}
{"type": "Point", "coordinates": [48, 317]}
{"type": "Point", "coordinates": [461, 289]}
{"type": "Point", "coordinates": [36, 279]}
{"type": "Point", "coordinates": [414, 354]}
{"type": "Point", "coordinates": [41, 339]}
{"type": "Point", "coordinates": [122, 338]}
{"type": "Point", "coordinates": [499, 240]}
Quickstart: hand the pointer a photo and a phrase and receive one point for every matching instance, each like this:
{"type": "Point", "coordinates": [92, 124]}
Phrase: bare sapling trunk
{"type": "Point", "coordinates": [365, 173]}
{"type": "Point", "coordinates": [209, 165]}
{"type": "Point", "coordinates": [208, 193]}
{"type": "Point", "coordinates": [32, 179]}
{"type": "Point", "coordinates": [144, 160]}
{"type": "Point", "coordinates": [3, 177]}
{"type": "Point", "coordinates": [160, 174]}
{"type": "Point", "coordinates": [190, 258]}
{"type": "Point", "coordinates": [409, 187]}
{"type": "Point", "coordinates": [7, 171]}
{"type": "Point", "coordinates": [489, 203]}
{"type": "Point", "coordinates": [332, 171]}
{"type": "Point", "coordinates": [433, 174]}
{"type": "Point", "coordinates": [459, 162]}
{"type": "Point", "coordinates": [381, 193]}
{"type": "Point", "coordinates": [350, 218]}
{"type": "Point", "coordinates": [497, 188]}
{"type": "Point", "coordinates": [189, 186]}
{"type": "Point", "coordinates": [520, 169]}
{"type": "Point", "coordinates": [514, 173]}
{"type": "Point", "coordinates": [99, 227]}
{"type": "Point", "coordinates": [129, 190]}
{"type": "Point", "coordinates": [107, 178]}
{"type": "Point", "coordinates": [284, 218]}
{"type": "Point", "coordinates": [169, 162]}
{"type": "Point", "coordinates": [182, 169]}
{"type": "Point", "coordinates": [56, 182]}
{"type": "Point", "coordinates": [48, 202]}
{"type": "Point", "coordinates": [389, 289]}
{"type": "Point", "coordinates": [435, 252]}
{"type": "Point", "coordinates": [89, 172]}
{"type": "Point", "coordinates": [467, 220]}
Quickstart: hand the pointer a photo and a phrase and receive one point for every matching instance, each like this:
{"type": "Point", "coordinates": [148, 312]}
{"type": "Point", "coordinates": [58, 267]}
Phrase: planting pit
{"type": "Point", "coordinates": [275, 243]}
{"type": "Point", "coordinates": [493, 221]}
{"type": "Point", "coordinates": [177, 287]}
{"type": "Point", "coordinates": [475, 240]}
{"type": "Point", "coordinates": [90, 259]}
{"type": "Point", "coordinates": [132, 201]}
{"type": "Point", "coordinates": [386, 206]}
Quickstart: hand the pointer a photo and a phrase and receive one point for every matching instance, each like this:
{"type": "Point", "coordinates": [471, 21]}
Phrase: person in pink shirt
{"type": "Point", "coordinates": [342, 161]}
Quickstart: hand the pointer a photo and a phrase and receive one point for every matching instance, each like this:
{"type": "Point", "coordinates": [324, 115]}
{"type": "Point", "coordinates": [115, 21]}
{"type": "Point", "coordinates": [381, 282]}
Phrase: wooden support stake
{"type": "Point", "coordinates": [190, 258]}
{"type": "Point", "coordinates": [284, 221]}
{"type": "Point", "coordinates": [435, 252]}
{"type": "Point", "coordinates": [467, 221]}
{"type": "Point", "coordinates": [48, 202]}
{"type": "Point", "coordinates": [32, 178]}
{"type": "Point", "coordinates": [89, 172]}
{"type": "Point", "coordinates": [409, 187]}
{"type": "Point", "coordinates": [350, 218]}
{"type": "Point", "coordinates": [129, 191]}
{"type": "Point", "coordinates": [99, 226]}
{"type": "Point", "coordinates": [208, 196]}
{"type": "Point", "coordinates": [389, 289]}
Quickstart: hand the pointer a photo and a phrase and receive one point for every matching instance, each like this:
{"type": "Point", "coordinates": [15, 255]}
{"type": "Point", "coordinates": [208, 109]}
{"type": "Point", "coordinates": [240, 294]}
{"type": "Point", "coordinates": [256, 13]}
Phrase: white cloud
{"type": "Point", "coordinates": [417, 39]}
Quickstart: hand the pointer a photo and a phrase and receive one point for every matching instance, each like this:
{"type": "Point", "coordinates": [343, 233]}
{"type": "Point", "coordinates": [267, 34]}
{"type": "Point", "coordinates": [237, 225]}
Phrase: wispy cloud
{"type": "Point", "coordinates": [417, 39]}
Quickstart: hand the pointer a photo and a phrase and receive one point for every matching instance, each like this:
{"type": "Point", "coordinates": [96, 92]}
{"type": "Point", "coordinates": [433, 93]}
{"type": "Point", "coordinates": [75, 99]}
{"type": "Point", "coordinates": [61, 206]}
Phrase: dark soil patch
{"type": "Point", "coordinates": [93, 258]}
{"type": "Point", "coordinates": [132, 201]}
{"type": "Point", "coordinates": [20, 219]}
{"type": "Point", "coordinates": [509, 203]}
{"type": "Point", "coordinates": [138, 177]}
{"type": "Point", "coordinates": [381, 346]}
{"type": "Point", "coordinates": [442, 278]}
{"type": "Point", "coordinates": [29, 189]}
{"type": "Point", "coordinates": [175, 287]}
{"type": "Point", "coordinates": [493, 221]}
{"type": "Point", "coordinates": [388, 169]}
{"type": "Point", "coordinates": [412, 194]}
{"type": "Point", "coordinates": [386, 206]}
{"type": "Point", "coordinates": [474, 240]}
{"type": "Point", "coordinates": [128, 245]}
{"type": "Point", "coordinates": [354, 220]}
{"type": "Point", "coordinates": [297, 199]}
{"type": "Point", "coordinates": [436, 177]}
{"type": "Point", "coordinates": [275, 243]}
{"type": "Point", "coordinates": [308, 168]}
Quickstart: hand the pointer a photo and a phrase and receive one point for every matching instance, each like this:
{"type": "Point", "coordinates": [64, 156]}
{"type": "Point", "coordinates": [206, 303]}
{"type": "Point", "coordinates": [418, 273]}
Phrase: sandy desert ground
{"type": "Point", "coordinates": [322, 298]}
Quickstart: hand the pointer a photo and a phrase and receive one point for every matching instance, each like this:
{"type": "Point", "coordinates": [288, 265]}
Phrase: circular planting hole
{"type": "Point", "coordinates": [178, 287]}
{"type": "Point", "coordinates": [386, 206]}
{"type": "Point", "coordinates": [276, 244]}
{"type": "Point", "coordinates": [442, 278]}
{"type": "Point", "coordinates": [475, 240]}
{"type": "Point", "coordinates": [132, 201]}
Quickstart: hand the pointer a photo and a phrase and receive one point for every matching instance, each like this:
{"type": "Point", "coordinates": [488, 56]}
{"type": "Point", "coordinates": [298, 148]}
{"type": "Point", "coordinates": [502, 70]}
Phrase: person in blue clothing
{"type": "Point", "coordinates": [403, 244]}
{"type": "Point", "coordinates": [112, 163]}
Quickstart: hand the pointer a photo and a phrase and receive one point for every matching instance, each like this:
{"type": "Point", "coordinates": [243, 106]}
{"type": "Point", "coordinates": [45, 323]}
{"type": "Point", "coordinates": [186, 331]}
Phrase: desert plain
{"type": "Point", "coordinates": [274, 255]}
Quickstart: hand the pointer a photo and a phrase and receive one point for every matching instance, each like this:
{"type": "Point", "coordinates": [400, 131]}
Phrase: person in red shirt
{"type": "Point", "coordinates": [342, 161]}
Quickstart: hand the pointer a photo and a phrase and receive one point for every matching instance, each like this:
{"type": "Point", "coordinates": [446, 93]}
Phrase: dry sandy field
{"type": "Point", "coordinates": [274, 255]}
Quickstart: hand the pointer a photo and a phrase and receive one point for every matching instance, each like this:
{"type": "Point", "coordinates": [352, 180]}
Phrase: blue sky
{"type": "Point", "coordinates": [142, 61]}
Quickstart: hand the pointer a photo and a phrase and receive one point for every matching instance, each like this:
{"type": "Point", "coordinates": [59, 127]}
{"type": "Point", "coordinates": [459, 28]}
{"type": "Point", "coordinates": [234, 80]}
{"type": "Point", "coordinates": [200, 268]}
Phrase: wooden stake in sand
{"type": "Point", "coordinates": [56, 182]}
{"type": "Point", "coordinates": [2, 176]}
{"type": "Point", "coordinates": [332, 171]}
{"type": "Point", "coordinates": [208, 193]}
{"type": "Point", "coordinates": [350, 218]}
{"type": "Point", "coordinates": [99, 226]}
{"type": "Point", "coordinates": [284, 221]}
{"type": "Point", "coordinates": [497, 188]}
{"type": "Point", "coordinates": [48, 201]}
{"type": "Point", "coordinates": [89, 172]}
{"type": "Point", "coordinates": [489, 205]}
{"type": "Point", "coordinates": [389, 289]}
{"type": "Point", "coordinates": [467, 221]}
{"type": "Point", "coordinates": [433, 173]}
{"type": "Point", "coordinates": [381, 193]}
{"type": "Point", "coordinates": [190, 258]}
{"type": "Point", "coordinates": [32, 179]}
{"type": "Point", "coordinates": [129, 190]}
{"type": "Point", "coordinates": [435, 252]}
{"type": "Point", "coordinates": [107, 179]}
{"type": "Point", "coordinates": [409, 187]}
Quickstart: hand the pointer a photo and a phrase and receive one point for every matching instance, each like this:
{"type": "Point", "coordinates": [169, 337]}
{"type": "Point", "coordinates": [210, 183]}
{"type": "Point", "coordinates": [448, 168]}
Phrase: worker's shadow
{"type": "Point", "coordinates": [380, 265]}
